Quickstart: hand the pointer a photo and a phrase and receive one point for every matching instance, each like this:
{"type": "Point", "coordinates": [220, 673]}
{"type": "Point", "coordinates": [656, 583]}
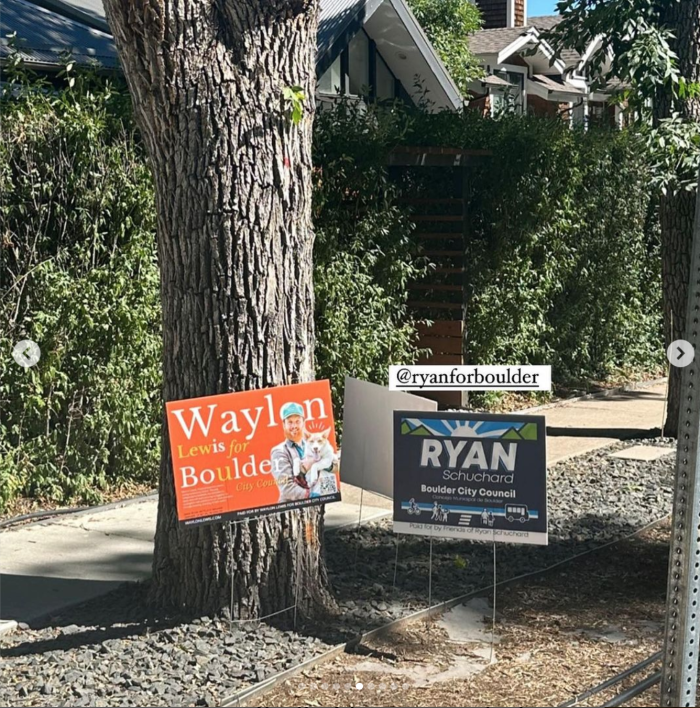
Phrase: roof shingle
{"type": "Point", "coordinates": [493, 41]}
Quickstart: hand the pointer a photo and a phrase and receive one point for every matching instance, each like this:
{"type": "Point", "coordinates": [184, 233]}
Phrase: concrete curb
{"type": "Point", "coordinates": [380, 515]}
{"type": "Point", "coordinates": [146, 497]}
{"type": "Point", "coordinates": [52, 514]}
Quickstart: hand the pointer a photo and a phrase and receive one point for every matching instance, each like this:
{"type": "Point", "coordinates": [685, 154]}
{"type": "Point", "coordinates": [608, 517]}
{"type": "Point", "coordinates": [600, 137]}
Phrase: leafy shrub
{"type": "Point", "coordinates": [79, 276]}
{"type": "Point", "coordinates": [449, 24]}
{"type": "Point", "coordinates": [364, 253]}
{"type": "Point", "coordinates": [564, 248]}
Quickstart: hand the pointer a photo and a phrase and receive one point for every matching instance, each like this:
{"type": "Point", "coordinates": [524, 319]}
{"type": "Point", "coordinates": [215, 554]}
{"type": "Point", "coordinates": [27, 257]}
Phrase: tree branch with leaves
{"type": "Point", "coordinates": [449, 24]}
{"type": "Point", "coordinates": [652, 48]}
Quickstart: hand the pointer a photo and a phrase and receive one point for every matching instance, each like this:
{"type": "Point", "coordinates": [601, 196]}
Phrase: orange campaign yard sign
{"type": "Point", "coordinates": [241, 455]}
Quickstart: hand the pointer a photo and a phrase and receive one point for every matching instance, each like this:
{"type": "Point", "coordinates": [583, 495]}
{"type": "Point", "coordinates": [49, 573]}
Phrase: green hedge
{"type": "Point", "coordinates": [79, 276]}
{"type": "Point", "coordinates": [364, 249]}
{"type": "Point", "coordinates": [564, 268]}
{"type": "Point", "coordinates": [564, 252]}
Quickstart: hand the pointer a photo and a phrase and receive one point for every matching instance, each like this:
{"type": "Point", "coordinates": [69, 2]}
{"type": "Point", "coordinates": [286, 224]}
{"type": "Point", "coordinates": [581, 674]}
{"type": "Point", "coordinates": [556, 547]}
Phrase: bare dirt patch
{"type": "Point", "coordinates": [560, 634]}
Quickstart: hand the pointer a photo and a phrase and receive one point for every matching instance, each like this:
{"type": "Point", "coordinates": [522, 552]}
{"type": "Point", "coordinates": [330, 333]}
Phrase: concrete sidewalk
{"type": "Point", "coordinates": [49, 564]}
{"type": "Point", "coordinates": [68, 559]}
{"type": "Point", "coordinates": [588, 424]}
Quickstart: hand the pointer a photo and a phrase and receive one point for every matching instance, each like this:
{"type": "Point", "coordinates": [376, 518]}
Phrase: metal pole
{"type": "Point", "coordinates": [358, 539]}
{"type": "Point", "coordinates": [362, 497]}
{"type": "Point", "coordinates": [396, 562]}
{"type": "Point", "coordinates": [297, 571]}
{"type": "Point", "coordinates": [679, 673]}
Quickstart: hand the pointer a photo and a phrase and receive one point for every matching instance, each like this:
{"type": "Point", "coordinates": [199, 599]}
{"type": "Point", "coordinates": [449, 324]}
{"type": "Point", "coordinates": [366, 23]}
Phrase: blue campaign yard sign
{"type": "Point", "coordinates": [473, 476]}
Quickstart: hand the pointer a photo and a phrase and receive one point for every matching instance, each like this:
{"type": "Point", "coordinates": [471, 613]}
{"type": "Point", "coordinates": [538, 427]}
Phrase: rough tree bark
{"type": "Point", "coordinates": [233, 197]}
{"type": "Point", "coordinates": [677, 211]}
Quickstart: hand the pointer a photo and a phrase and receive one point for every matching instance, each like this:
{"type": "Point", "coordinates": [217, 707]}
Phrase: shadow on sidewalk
{"type": "Point", "coordinates": [614, 433]}
{"type": "Point", "coordinates": [368, 583]}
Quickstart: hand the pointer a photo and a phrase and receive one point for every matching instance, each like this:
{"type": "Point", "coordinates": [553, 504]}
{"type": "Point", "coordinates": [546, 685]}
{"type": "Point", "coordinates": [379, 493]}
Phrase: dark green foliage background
{"type": "Point", "coordinates": [564, 268]}
{"type": "Point", "coordinates": [79, 276]}
{"type": "Point", "coordinates": [564, 255]}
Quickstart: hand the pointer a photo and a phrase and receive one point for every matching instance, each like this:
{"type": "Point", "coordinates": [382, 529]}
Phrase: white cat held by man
{"type": "Point", "coordinates": [321, 461]}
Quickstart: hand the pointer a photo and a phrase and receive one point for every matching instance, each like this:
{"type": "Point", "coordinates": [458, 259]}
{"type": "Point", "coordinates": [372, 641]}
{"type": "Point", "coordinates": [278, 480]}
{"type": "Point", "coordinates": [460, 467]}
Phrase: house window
{"type": "Point", "coordinates": [358, 63]}
{"type": "Point", "coordinates": [360, 70]}
{"type": "Point", "coordinates": [579, 113]}
{"type": "Point", "coordinates": [597, 113]}
{"type": "Point", "coordinates": [512, 96]}
{"type": "Point", "coordinates": [330, 82]}
{"type": "Point", "coordinates": [386, 86]}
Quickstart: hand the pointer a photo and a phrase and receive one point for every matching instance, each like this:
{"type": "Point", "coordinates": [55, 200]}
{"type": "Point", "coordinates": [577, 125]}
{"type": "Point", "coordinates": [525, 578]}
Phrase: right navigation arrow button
{"type": "Point", "coordinates": [680, 353]}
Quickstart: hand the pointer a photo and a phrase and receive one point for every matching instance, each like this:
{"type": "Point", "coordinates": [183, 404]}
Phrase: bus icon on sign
{"type": "Point", "coordinates": [517, 512]}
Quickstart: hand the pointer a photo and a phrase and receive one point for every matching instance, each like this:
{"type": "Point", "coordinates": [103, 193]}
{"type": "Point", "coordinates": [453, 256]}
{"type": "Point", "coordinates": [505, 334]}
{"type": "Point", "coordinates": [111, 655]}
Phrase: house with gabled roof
{"type": "Point", "coordinates": [372, 44]}
{"type": "Point", "coordinates": [523, 72]}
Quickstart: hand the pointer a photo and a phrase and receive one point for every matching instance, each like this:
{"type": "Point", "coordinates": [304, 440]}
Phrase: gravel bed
{"type": "Point", "coordinates": [593, 499]}
{"type": "Point", "coordinates": [195, 664]}
{"type": "Point", "coordinates": [105, 654]}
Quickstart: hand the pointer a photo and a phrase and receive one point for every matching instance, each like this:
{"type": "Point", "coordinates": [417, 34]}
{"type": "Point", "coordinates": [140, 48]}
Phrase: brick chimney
{"type": "Point", "coordinates": [503, 13]}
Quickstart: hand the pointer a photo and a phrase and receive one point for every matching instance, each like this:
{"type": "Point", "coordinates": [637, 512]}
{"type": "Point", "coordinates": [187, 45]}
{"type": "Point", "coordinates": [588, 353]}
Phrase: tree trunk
{"type": "Point", "coordinates": [233, 197]}
{"type": "Point", "coordinates": [677, 211]}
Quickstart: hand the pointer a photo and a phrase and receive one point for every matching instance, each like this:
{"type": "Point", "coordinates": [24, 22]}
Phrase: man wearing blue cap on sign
{"type": "Point", "coordinates": [287, 465]}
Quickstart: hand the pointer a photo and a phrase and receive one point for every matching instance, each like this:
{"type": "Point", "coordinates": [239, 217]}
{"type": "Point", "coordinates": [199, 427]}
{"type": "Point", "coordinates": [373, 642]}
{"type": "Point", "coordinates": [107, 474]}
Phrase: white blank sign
{"type": "Point", "coordinates": [367, 457]}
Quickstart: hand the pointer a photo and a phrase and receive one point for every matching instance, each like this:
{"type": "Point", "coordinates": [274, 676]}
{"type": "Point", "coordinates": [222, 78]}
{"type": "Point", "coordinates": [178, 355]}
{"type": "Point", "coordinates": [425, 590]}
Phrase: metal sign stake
{"type": "Point", "coordinates": [429, 619]}
{"type": "Point", "coordinates": [682, 636]}
{"type": "Point", "coordinates": [396, 562]}
{"type": "Point", "coordinates": [232, 571]}
{"type": "Point", "coordinates": [495, 584]}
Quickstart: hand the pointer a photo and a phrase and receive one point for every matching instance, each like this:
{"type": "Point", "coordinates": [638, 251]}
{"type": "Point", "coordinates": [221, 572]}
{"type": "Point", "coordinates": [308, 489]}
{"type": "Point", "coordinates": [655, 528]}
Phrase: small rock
{"type": "Point", "coordinates": [71, 629]}
{"type": "Point", "coordinates": [47, 689]}
{"type": "Point", "coordinates": [23, 691]}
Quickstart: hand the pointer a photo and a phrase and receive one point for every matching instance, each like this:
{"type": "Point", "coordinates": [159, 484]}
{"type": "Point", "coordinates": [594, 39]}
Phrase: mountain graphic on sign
{"type": "Point", "coordinates": [420, 430]}
{"type": "Point", "coordinates": [529, 431]}
{"type": "Point", "coordinates": [512, 434]}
